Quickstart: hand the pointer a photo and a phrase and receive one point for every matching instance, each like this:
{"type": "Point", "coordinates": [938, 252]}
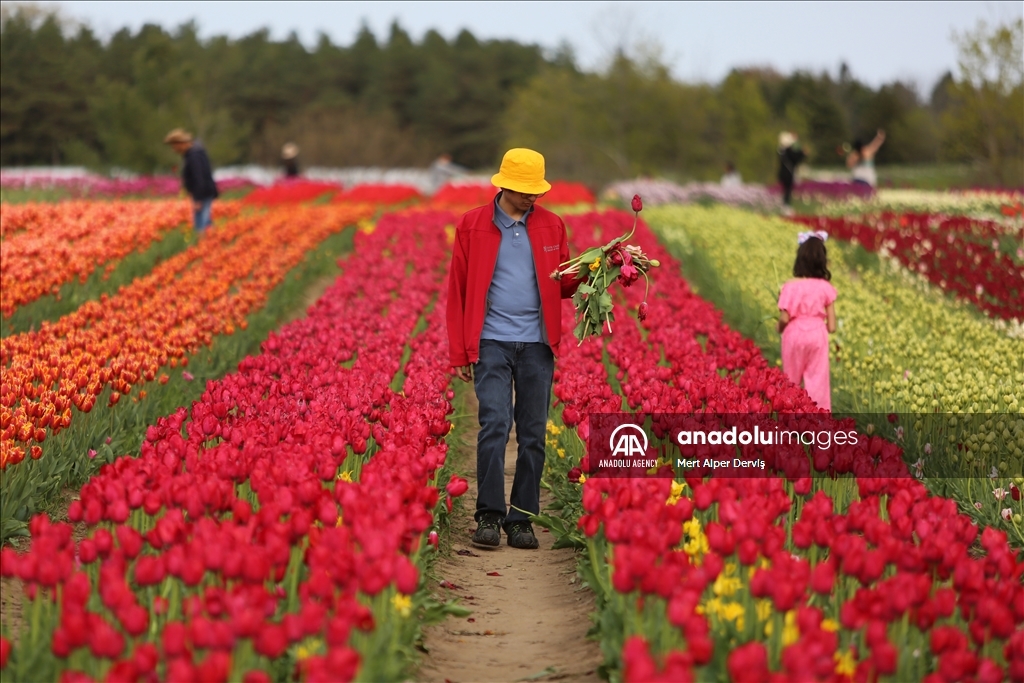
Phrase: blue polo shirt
{"type": "Point", "coordinates": [513, 300]}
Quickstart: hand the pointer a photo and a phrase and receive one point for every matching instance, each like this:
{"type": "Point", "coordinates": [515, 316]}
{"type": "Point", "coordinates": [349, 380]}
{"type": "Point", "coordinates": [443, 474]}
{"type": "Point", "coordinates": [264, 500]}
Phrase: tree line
{"type": "Point", "coordinates": [68, 97]}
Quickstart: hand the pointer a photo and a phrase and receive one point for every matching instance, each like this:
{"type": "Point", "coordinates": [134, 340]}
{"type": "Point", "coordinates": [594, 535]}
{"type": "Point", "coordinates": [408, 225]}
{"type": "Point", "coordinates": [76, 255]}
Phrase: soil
{"type": "Point", "coordinates": [529, 622]}
{"type": "Point", "coordinates": [11, 598]}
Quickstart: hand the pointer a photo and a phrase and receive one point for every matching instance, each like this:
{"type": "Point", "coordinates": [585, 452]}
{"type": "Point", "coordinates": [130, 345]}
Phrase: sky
{"type": "Point", "coordinates": [700, 41]}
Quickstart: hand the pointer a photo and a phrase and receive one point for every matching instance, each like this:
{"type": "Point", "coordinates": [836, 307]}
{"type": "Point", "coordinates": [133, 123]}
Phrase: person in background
{"type": "Point", "coordinates": [790, 156]}
{"type": "Point", "coordinates": [442, 170]}
{"type": "Point", "coordinates": [290, 160]}
{"type": "Point", "coordinates": [504, 326]}
{"type": "Point", "coordinates": [732, 177]}
{"type": "Point", "coordinates": [196, 176]}
{"type": "Point", "coordinates": [807, 315]}
{"type": "Point", "coordinates": [861, 160]}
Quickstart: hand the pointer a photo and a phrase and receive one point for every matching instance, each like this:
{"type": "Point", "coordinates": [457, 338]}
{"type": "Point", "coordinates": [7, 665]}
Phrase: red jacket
{"type": "Point", "coordinates": [474, 255]}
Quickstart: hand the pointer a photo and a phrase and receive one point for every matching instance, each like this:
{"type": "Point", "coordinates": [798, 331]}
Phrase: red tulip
{"type": "Point", "coordinates": [256, 676]}
{"type": "Point", "coordinates": [182, 669]}
{"type": "Point", "coordinates": [174, 639]}
{"type": "Point", "coordinates": [104, 640]}
{"type": "Point", "coordinates": [637, 204]}
{"type": "Point", "coordinates": [145, 657]}
{"type": "Point", "coordinates": [749, 663]}
{"type": "Point", "coordinates": [457, 486]}
{"type": "Point", "coordinates": [271, 641]}
{"type": "Point", "coordinates": [135, 620]}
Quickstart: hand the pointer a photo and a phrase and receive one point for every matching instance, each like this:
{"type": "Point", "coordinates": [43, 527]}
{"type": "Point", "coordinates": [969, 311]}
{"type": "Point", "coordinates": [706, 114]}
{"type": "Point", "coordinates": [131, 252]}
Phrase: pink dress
{"type": "Point", "coordinates": [805, 339]}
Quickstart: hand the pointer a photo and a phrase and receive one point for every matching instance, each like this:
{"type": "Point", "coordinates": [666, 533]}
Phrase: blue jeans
{"type": "Point", "coordinates": [527, 368]}
{"type": "Point", "coordinates": [202, 214]}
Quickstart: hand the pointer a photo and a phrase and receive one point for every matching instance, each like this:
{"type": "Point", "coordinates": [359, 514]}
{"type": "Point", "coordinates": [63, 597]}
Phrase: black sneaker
{"type": "Point", "coordinates": [488, 531]}
{"type": "Point", "coordinates": [520, 535]}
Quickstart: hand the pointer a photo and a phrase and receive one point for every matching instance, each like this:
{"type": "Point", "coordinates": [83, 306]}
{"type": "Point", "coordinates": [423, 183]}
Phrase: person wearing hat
{"type": "Point", "coordinates": [196, 176]}
{"type": "Point", "coordinates": [289, 157]}
{"type": "Point", "coordinates": [790, 156]}
{"type": "Point", "coordinates": [504, 327]}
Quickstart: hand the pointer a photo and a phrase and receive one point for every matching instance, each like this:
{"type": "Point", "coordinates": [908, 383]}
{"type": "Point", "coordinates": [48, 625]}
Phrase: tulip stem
{"type": "Point", "coordinates": [596, 566]}
{"type": "Point", "coordinates": [295, 567]}
{"type": "Point", "coordinates": [37, 628]}
{"type": "Point", "coordinates": [636, 216]}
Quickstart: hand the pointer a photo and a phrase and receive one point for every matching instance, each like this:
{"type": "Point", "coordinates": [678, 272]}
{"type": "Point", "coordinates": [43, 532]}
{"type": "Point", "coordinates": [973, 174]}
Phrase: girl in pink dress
{"type": "Point", "coordinates": [807, 315]}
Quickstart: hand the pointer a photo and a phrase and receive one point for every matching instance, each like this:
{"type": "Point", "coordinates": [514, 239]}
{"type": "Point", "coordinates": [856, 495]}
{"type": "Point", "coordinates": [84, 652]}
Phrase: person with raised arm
{"type": "Point", "coordinates": [861, 160]}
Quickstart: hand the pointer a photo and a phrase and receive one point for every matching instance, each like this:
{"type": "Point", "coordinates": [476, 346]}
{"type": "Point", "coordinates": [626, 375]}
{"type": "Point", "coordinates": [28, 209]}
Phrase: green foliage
{"type": "Point", "coordinates": [168, 82]}
{"type": "Point", "coordinates": [748, 134]}
{"type": "Point", "coordinates": [68, 98]}
{"type": "Point", "coordinates": [984, 121]}
{"type": "Point", "coordinates": [9, 195]}
{"type": "Point", "coordinates": [74, 99]}
{"type": "Point", "coordinates": [813, 113]}
{"type": "Point", "coordinates": [43, 87]}
{"type": "Point", "coordinates": [632, 120]}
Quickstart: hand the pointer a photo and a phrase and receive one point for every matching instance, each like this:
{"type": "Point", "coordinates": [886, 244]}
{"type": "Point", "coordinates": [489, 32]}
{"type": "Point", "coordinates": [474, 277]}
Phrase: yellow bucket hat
{"type": "Point", "coordinates": [522, 170]}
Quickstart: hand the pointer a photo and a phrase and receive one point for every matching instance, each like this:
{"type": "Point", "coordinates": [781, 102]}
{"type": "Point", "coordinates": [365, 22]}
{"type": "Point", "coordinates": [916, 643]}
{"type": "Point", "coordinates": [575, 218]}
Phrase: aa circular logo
{"type": "Point", "coordinates": [628, 441]}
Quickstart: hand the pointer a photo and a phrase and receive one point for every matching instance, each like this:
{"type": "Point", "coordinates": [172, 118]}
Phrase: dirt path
{"type": "Point", "coordinates": [529, 622]}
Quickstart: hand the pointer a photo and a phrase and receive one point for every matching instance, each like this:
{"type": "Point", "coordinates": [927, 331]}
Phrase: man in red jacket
{"type": "Point", "coordinates": [504, 327]}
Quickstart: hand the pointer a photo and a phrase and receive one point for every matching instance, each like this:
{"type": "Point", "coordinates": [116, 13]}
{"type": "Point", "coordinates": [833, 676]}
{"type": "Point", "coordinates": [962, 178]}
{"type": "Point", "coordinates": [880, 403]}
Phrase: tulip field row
{"type": "Point", "coordinates": [134, 340]}
{"type": "Point", "coordinates": [803, 576]}
{"type": "Point", "coordinates": [272, 530]}
{"type": "Point", "coordinates": [48, 246]}
{"type": "Point", "coordinates": [454, 195]}
{"type": "Point", "coordinates": [977, 260]}
{"type": "Point", "coordinates": [987, 203]}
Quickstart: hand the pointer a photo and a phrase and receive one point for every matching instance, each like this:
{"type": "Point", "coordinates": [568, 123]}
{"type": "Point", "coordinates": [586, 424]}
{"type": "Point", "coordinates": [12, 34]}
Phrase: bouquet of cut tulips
{"type": "Point", "coordinates": [604, 265]}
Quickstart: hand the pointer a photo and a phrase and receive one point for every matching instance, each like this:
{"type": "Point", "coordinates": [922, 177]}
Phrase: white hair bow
{"type": "Point", "coordinates": [804, 236]}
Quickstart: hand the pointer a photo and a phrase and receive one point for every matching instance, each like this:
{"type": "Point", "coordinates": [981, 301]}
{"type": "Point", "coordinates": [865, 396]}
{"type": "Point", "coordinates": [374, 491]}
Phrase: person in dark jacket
{"type": "Point", "coordinates": [290, 160]}
{"type": "Point", "coordinates": [790, 156]}
{"type": "Point", "coordinates": [196, 176]}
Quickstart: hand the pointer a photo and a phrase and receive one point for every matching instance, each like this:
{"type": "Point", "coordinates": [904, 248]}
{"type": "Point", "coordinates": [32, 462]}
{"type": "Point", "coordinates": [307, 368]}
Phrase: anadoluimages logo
{"type": "Point", "coordinates": [628, 441]}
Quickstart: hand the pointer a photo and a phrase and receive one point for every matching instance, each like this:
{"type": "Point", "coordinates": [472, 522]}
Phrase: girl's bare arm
{"type": "Point", "coordinates": [872, 147]}
{"type": "Point", "coordinates": [830, 315]}
{"type": "Point", "coordinates": [783, 320]}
